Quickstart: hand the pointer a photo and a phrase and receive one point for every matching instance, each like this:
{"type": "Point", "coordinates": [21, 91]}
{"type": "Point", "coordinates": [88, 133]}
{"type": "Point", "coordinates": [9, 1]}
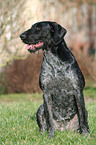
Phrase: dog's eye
{"type": "Point", "coordinates": [38, 28]}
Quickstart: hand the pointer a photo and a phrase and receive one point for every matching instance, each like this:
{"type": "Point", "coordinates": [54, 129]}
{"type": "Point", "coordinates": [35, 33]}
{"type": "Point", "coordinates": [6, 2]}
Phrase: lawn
{"type": "Point", "coordinates": [18, 122]}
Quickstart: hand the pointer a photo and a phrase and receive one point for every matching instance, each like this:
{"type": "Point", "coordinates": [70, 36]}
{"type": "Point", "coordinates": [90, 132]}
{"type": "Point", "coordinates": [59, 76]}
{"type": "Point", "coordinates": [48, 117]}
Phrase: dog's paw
{"type": "Point", "coordinates": [84, 133]}
{"type": "Point", "coordinates": [51, 133]}
{"type": "Point", "coordinates": [42, 130]}
{"type": "Point", "coordinates": [84, 130]}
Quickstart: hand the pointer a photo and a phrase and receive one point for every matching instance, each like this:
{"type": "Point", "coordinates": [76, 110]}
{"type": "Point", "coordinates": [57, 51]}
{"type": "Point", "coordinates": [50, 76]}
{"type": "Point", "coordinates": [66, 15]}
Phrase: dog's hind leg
{"type": "Point", "coordinates": [41, 120]}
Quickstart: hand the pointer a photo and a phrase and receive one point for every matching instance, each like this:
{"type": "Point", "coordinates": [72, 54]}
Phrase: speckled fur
{"type": "Point", "coordinates": [61, 81]}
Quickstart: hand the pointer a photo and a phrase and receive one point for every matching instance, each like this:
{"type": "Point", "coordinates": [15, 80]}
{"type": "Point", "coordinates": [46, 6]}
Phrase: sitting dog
{"type": "Point", "coordinates": [61, 80]}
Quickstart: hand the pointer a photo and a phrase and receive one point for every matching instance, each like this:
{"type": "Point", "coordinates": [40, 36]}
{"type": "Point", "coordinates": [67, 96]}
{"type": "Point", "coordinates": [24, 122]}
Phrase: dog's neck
{"type": "Point", "coordinates": [61, 51]}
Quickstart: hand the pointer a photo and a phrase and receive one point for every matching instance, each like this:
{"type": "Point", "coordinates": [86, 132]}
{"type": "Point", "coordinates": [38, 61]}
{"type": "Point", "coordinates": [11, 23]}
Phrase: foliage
{"type": "Point", "coordinates": [2, 82]}
{"type": "Point", "coordinates": [10, 25]}
{"type": "Point", "coordinates": [23, 75]}
{"type": "Point", "coordinates": [87, 64]}
{"type": "Point", "coordinates": [77, 16]}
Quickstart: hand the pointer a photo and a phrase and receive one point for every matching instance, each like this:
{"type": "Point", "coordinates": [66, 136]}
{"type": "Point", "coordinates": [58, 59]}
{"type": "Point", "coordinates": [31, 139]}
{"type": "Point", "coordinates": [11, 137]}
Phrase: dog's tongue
{"type": "Point", "coordinates": [30, 47]}
{"type": "Point", "coordinates": [33, 46]}
{"type": "Point", "coordinates": [27, 46]}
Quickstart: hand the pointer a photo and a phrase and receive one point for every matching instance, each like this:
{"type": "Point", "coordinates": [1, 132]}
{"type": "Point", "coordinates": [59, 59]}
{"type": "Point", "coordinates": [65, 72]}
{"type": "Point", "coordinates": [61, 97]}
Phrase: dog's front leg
{"type": "Point", "coordinates": [49, 114]}
{"type": "Point", "coordinates": [82, 113]}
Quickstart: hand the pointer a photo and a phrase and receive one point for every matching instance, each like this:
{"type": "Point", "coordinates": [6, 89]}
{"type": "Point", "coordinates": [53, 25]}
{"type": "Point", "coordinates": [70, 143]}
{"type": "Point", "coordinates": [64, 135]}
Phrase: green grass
{"type": "Point", "coordinates": [90, 92]}
{"type": "Point", "coordinates": [18, 122]}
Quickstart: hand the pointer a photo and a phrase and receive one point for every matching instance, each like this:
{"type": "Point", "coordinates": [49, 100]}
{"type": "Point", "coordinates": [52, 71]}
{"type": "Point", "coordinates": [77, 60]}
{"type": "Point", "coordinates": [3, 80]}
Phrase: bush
{"type": "Point", "coordinates": [2, 82]}
{"type": "Point", "coordinates": [23, 75]}
{"type": "Point", "coordinates": [87, 64]}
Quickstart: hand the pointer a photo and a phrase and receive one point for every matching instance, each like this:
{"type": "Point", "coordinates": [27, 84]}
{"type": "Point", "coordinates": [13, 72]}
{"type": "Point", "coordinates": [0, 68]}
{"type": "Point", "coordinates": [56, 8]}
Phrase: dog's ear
{"type": "Point", "coordinates": [58, 32]}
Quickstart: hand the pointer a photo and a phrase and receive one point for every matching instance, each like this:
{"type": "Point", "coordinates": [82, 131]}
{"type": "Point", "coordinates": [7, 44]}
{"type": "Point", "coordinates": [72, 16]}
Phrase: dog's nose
{"type": "Point", "coordinates": [23, 36]}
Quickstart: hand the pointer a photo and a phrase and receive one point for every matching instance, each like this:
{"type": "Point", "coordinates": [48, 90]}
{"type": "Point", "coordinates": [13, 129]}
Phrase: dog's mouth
{"type": "Point", "coordinates": [34, 47]}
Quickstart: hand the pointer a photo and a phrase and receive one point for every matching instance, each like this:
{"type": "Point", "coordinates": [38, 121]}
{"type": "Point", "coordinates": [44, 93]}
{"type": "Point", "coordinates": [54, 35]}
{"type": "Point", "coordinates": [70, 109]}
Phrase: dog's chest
{"type": "Point", "coordinates": [55, 73]}
{"type": "Point", "coordinates": [51, 66]}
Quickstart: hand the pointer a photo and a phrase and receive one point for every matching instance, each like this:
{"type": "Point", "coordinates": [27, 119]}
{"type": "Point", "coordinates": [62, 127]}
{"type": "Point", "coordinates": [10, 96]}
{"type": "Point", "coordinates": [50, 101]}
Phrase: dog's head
{"type": "Point", "coordinates": [42, 34]}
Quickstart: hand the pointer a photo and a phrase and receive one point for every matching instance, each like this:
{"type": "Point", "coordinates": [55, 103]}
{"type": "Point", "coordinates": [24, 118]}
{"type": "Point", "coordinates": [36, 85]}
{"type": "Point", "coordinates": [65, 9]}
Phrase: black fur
{"type": "Point", "coordinates": [61, 81]}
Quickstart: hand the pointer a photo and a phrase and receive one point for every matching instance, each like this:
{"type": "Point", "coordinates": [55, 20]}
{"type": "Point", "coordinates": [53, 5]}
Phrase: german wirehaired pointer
{"type": "Point", "coordinates": [61, 80]}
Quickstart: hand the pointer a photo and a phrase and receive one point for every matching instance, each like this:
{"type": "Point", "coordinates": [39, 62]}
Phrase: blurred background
{"type": "Point", "coordinates": [19, 70]}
